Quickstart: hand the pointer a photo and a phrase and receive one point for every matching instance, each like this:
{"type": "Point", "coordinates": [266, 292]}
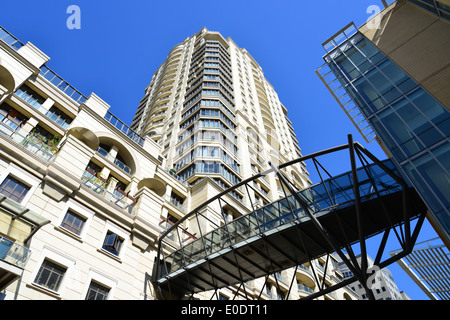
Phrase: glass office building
{"type": "Point", "coordinates": [408, 121]}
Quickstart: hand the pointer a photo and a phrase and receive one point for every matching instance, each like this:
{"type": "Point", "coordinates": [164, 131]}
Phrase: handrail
{"type": "Point", "coordinates": [244, 182]}
{"type": "Point", "coordinates": [352, 190]}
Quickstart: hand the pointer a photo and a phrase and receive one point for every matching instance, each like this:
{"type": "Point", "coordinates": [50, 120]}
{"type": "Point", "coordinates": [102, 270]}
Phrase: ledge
{"type": "Point", "coordinates": [69, 233]}
{"type": "Point", "coordinates": [110, 255]}
{"type": "Point", "coordinates": [42, 289]}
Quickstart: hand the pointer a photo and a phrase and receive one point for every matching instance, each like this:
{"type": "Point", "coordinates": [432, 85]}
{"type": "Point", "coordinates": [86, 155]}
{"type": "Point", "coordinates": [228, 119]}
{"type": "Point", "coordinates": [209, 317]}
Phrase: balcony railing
{"type": "Point", "coordinates": [30, 142]}
{"type": "Point", "coordinates": [116, 122]}
{"type": "Point", "coordinates": [306, 269]}
{"type": "Point", "coordinates": [173, 174]}
{"type": "Point", "coordinates": [62, 85]}
{"type": "Point", "coordinates": [116, 161]}
{"type": "Point", "coordinates": [304, 288]}
{"type": "Point", "coordinates": [175, 203]}
{"type": "Point", "coordinates": [97, 186]}
{"type": "Point", "coordinates": [10, 40]}
{"type": "Point", "coordinates": [36, 104]}
{"type": "Point", "coordinates": [13, 253]}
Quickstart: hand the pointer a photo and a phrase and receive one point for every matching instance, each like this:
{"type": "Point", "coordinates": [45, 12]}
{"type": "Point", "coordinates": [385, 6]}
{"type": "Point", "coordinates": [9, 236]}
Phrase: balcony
{"type": "Point", "coordinates": [13, 258]}
{"type": "Point", "coordinates": [62, 85]}
{"type": "Point", "coordinates": [116, 198]}
{"type": "Point", "coordinates": [305, 289]}
{"type": "Point", "coordinates": [172, 172]}
{"type": "Point", "coordinates": [175, 202]}
{"type": "Point", "coordinates": [114, 160]}
{"type": "Point", "coordinates": [36, 101]}
{"type": "Point", "coordinates": [18, 223]}
{"type": "Point", "coordinates": [9, 39]}
{"type": "Point", "coordinates": [31, 143]}
{"type": "Point", "coordinates": [13, 253]}
{"type": "Point", "coordinates": [116, 122]}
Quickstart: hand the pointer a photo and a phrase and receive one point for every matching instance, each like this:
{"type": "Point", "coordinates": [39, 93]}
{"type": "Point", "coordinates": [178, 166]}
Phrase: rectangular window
{"type": "Point", "coordinates": [50, 275]}
{"type": "Point", "coordinates": [112, 243]}
{"type": "Point", "coordinates": [73, 222]}
{"type": "Point", "coordinates": [13, 189]}
{"type": "Point", "coordinates": [97, 292]}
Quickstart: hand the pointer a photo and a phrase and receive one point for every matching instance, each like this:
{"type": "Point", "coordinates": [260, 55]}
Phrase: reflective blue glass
{"type": "Point", "coordinates": [412, 124]}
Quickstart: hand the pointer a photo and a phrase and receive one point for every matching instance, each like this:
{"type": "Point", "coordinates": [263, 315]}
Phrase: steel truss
{"type": "Point", "coordinates": [163, 277]}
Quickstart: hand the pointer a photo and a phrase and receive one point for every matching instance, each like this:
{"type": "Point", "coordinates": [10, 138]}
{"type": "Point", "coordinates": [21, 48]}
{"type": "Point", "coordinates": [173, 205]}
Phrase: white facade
{"type": "Point", "coordinates": [91, 196]}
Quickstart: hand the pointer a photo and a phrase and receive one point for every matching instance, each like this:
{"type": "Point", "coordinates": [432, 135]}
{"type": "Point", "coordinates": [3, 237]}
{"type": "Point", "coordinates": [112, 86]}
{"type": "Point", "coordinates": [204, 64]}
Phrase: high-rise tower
{"type": "Point", "coordinates": [213, 112]}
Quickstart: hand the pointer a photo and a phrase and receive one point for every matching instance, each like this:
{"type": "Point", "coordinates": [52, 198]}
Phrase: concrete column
{"type": "Point", "coordinates": [105, 173]}
{"type": "Point", "coordinates": [149, 206]}
{"type": "Point", "coordinates": [113, 153]}
{"type": "Point", "coordinates": [64, 173]}
{"type": "Point", "coordinates": [132, 186]}
{"type": "Point", "coordinates": [28, 126]}
{"type": "Point", "coordinates": [30, 52]}
{"type": "Point", "coordinates": [3, 93]}
{"type": "Point", "coordinates": [112, 183]}
{"type": "Point", "coordinates": [96, 104]}
{"type": "Point", "coordinates": [47, 105]}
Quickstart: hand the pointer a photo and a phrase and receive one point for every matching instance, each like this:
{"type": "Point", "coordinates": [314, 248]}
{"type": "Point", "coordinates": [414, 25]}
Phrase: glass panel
{"type": "Point", "coordinates": [436, 177]}
{"type": "Point", "coordinates": [428, 166]}
{"type": "Point", "coordinates": [3, 33]}
{"type": "Point", "coordinates": [367, 91]}
{"type": "Point", "coordinates": [432, 109]}
{"type": "Point", "coordinates": [417, 122]}
{"type": "Point", "coordinates": [402, 135]}
{"type": "Point", "coordinates": [50, 275]}
{"type": "Point", "coordinates": [5, 245]}
{"type": "Point", "coordinates": [398, 78]}
{"type": "Point", "coordinates": [13, 189]}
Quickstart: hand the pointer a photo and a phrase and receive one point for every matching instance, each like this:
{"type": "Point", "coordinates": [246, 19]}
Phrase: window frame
{"type": "Point", "coordinates": [96, 291]}
{"type": "Point", "coordinates": [102, 279]}
{"type": "Point", "coordinates": [16, 184]}
{"type": "Point", "coordinates": [23, 176]}
{"type": "Point", "coordinates": [47, 263]}
{"type": "Point", "coordinates": [112, 228]}
{"type": "Point", "coordinates": [113, 243]}
{"type": "Point", "coordinates": [69, 226]}
{"type": "Point", "coordinates": [81, 211]}
{"type": "Point", "coordinates": [56, 257]}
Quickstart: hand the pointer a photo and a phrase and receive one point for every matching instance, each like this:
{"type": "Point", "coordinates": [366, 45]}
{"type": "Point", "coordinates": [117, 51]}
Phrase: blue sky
{"type": "Point", "coordinates": [122, 43]}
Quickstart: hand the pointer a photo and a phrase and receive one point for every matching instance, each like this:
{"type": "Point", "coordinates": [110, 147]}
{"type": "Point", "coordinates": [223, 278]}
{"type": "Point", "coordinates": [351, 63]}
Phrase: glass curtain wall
{"type": "Point", "coordinates": [412, 124]}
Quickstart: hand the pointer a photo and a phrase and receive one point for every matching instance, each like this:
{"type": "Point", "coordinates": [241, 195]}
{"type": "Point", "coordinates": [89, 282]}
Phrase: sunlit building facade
{"type": "Point", "coordinates": [84, 197]}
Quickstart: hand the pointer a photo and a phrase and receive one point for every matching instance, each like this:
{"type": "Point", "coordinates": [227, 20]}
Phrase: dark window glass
{"type": "Point", "coordinates": [50, 275]}
{"type": "Point", "coordinates": [97, 292]}
{"type": "Point", "coordinates": [432, 109]}
{"type": "Point", "coordinates": [73, 222]}
{"type": "Point", "coordinates": [402, 135]}
{"type": "Point", "coordinates": [13, 189]}
{"type": "Point", "coordinates": [112, 243]}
